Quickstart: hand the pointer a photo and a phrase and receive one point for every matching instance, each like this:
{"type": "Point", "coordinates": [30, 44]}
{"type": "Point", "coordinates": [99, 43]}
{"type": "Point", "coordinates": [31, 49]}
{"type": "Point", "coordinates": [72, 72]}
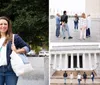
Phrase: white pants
{"type": "Point", "coordinates": [83, 32]}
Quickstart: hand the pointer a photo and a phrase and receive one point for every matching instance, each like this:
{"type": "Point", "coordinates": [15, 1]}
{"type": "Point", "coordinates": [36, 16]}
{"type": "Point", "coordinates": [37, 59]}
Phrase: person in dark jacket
{"type": "Point", "coordinates": [7, 75]}
{"type": "Point", "coordinates": [84, 77]}
{"type": "Point", "coordinates": [65, 27]}
{"type": "Point", "coordinates": [65, 77]}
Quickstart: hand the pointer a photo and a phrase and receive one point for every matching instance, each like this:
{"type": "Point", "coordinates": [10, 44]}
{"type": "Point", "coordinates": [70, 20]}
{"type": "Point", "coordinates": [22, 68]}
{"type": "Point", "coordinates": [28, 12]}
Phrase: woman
{"type": "Point", "coordinates": [92, 77]}
{"type": "Point", "coordinates": [7, 75]}
{"type": "Point", "coordinates": [71, 78]}
{"type": "Point", "coordinates": [76, 22]}
{"type": "Point", "coordinates": [79, 77]}
{"type": "Point", "coordinates": [83, 27]}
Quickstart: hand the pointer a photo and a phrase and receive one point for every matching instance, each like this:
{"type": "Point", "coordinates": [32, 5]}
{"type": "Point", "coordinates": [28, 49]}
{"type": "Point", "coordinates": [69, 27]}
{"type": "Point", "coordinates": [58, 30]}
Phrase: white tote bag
{"type": "Point", "coordinates": [20, 63]}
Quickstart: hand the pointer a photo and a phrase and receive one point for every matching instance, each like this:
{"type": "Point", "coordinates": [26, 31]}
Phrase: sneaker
{"type": "Point", "coordinates": [70, 37]}
{"type": "Point", "coordinates": [64, 37]}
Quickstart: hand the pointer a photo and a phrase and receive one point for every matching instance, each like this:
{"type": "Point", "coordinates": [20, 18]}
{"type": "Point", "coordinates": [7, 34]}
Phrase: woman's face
{"type": "Point", "coordinates": [3, 26]}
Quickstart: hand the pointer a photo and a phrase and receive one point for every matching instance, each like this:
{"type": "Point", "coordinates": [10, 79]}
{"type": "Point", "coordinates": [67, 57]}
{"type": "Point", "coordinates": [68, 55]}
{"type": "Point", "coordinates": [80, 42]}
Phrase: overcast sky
{"type": "Point", "coordinates": [68, 5]}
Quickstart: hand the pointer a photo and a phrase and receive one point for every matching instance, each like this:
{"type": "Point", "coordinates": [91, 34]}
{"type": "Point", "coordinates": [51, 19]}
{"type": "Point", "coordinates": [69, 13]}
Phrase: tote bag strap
{"type": "Point", "coordinates": [13, 38]}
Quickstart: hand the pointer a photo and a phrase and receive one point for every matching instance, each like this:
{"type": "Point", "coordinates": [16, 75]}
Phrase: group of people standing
{"type": "Point", "coordinates": [62, 20]}
{"type": "Point", "coordinates": [79, 77]}
{"type": "Point", "coordinates": [85, 25]}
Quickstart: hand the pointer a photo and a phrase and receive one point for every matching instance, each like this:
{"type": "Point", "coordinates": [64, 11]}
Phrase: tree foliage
{"type": "Point", "coordinates": [29, 19]}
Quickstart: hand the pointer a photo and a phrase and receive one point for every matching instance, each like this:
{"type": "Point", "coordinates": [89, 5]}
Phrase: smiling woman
{"type": "Point", "coordinates": [71, 6]}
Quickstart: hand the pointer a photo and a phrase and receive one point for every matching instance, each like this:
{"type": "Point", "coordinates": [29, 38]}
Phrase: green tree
{"type": "Point", "coordinates": [29, 19]}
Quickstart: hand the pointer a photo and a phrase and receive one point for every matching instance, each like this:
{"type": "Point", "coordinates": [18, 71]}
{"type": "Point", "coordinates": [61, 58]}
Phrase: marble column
{"type": "Point", "coordinates": [78, 60]}
{"type": "Point", "coordinates": [95, 60]}
{"type": "Point", "coordinates": [55, 61]}
{"type": "Point", "coordinates": [90, 61]}
{"type": "Point", "coordinates": [60, 62]}
{"type": "Point", "coordinates": [71, 60]}
{"type": "Point", "coordinates": [84, 61]}
{"type": "Point", "coordinates": [66, 61]}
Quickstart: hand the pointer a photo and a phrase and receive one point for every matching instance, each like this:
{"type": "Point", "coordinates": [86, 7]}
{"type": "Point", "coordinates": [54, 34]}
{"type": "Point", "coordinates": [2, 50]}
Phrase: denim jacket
{"type": "Point", "coordinates": [19, 43]}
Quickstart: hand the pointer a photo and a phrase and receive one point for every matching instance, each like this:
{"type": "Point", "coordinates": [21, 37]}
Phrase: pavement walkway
{"type": "Point", "coordinates": [75, 82]}
{"type": "Point", "coordinates": [95, 32]}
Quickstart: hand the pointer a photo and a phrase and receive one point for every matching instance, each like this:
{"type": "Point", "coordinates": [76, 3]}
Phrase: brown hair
{"type": "Point", "coordinates": [9, 31]}
{"type": "Point", "coordinates": [83, 15]}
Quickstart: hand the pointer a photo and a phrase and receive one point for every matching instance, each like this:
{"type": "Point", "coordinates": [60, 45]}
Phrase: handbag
{"type": "Point", "coordinates": [20, 63]}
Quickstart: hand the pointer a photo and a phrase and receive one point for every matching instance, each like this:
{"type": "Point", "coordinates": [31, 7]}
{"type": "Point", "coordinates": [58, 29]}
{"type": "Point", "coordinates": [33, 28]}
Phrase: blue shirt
{"type": "Point", "coordinates": [57, 20]}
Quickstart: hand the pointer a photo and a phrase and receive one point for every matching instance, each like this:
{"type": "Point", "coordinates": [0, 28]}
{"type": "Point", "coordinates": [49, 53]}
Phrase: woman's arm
{"type": "Point", "coordinates": [20, 45]}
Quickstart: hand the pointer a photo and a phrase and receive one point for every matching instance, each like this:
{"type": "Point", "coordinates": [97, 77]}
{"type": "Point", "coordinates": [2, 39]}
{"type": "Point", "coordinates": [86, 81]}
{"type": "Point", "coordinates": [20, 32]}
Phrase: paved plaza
{"type": "Point", "coordinates": [95, 32]}
{"type": "Point", "coordinates": [75, 82]}
{"type": "Point", "coordinates": [37, 76]}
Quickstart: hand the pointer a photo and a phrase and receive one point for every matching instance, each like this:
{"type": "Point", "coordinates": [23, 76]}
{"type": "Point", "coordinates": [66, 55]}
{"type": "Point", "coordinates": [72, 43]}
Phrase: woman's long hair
{"type": "Point", "coordinates": [9, 31]}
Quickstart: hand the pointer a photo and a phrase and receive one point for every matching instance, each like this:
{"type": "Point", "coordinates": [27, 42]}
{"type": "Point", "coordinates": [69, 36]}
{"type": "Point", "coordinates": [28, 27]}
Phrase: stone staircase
{"type": "Point", "coordinates": [59, 74]}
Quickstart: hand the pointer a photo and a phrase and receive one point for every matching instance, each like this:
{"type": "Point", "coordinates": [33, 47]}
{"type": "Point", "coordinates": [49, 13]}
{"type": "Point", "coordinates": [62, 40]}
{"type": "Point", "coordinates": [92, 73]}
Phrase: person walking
{"type": "Point", "coordinates": [76, 18]}
{"type": "Point", "coordinates": [84, 77]}
{"type": "Point", "coordinates": [65, 77]}
{"type": "Point", "coordinates": [79, 77]}
{"type": "Point", "coordinates": [71, 78]}
{"type": "Point", "coordinates": [83, 26]}
{"type": "Point", "coordinates": [92, 77]}
{"type": "Point", "coordinates": [58, 25]}
{"type": "Point", "coordinates": [88, 26]}
{"type": "Point", "coordinates": [7, 75]}
{"type": "Point", "coordinates": [65, 27]}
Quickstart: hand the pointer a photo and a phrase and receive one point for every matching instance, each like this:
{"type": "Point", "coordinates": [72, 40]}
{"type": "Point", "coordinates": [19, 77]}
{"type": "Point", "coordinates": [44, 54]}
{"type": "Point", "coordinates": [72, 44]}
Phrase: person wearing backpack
{"type": "Point", "coordinates": [65, 77]}
{"type": "Point", "coordinates": [84, 77]}
{"type": "Point", "coordinates": [92, 77]}
{"type": "Point", "coordinates": [65, 27]}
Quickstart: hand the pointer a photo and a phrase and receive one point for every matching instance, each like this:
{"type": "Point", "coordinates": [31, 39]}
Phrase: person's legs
{"type": "Point", "coordinates": [77, 25]}
{"type": "Point", "coordinates": [78, 81]}
{"type": "Point", "coordinates": [84, 81]}
{"type": "Point", "coordinates": [74, 25]}
{"type": "Point", "coordinates": [11, 78]}
{"type": "Point", "coordinates": [67, 28]}
{"type": "Point", "coordinates": [63, 32]}
{"type": "Point", "coordinates": [2, 79]}
{"type": "Point", "coordinates": [81, 33]}
{"type": "Point", "coordinates": [84, 33]}
{"type": "Point", "coordinates": [57, 30]}
{"type": "Point", "coordinates": [89, 31]}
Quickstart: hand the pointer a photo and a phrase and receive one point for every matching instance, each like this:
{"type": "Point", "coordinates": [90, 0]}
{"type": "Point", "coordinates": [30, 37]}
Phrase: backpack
{"type": "Point", "coordinates": [65, 75]}
{"type": "Point", "coordinates": [84, 75]}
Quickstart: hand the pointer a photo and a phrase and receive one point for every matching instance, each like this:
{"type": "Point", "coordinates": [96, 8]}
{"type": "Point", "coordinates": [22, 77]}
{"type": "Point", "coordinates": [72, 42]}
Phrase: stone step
{"type": "Point", "coordinates": [75, 72]}
{"type": "Point", "coordinates": [61, 77]}
{"type": "Point", "coordinates": [74, 84]}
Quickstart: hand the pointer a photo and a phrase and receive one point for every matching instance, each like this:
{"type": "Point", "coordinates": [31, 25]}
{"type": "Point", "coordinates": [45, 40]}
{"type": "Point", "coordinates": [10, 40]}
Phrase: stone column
{"type": "Point", "coordinates": [84, 60]}
{"type": "Point", "coordinates": [90, 62]}
{"type": "Point", "coordinates": [78, 60]}
{"type": "Point", "coordinates": [66, 61]}
{"type": "Point", "coordinates": [72, 60]}
{"type": "Point", "coordinates": [95, 59]}
{"type": "Point", "coordinates": [46, 70]}
{"type": "Point", "coordinates": [55, 61]}
{"type": "Point", "coordinates": [60, 62]}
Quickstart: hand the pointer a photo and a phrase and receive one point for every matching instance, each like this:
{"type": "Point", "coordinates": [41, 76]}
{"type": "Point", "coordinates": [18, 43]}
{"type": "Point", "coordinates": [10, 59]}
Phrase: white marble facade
{"type": "Point", "coordinates": [92, 7]}
{"type": "Point", "coordinates": [80, 57]}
